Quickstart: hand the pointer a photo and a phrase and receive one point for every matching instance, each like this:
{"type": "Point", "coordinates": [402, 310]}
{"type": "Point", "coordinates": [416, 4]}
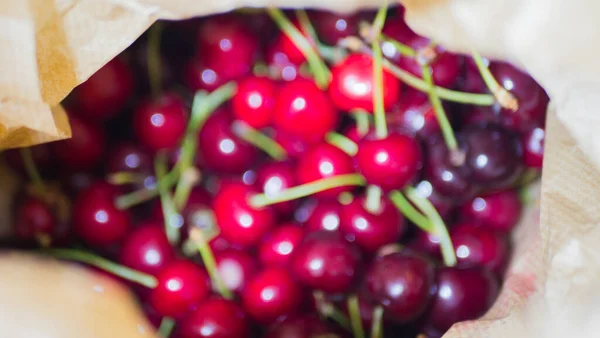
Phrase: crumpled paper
{"type": "Point", "coordinates": [50, 46]}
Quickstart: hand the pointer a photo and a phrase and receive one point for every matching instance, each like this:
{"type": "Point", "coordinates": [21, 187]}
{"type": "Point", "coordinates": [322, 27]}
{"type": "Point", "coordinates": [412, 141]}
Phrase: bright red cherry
{"type": "Point", "coordinates": [327, 262]}
{"type": "Point", "coordinates": [279, 246]}
{"type": "Point", "coordinates": [236, 268]}
{"type": "Point", "coordinates": [325, 215]}
{"type": "Point", "coordinates": [480, 247]}
{"type": "Point", "coordinates": [271, 294]}
{"type": "Point", "coordinates": [284, 44]}
{"type": "Point", "coordinates": [106, 92]}
{"type": "Point", "coordinates": [294, 146]}
{"type": "Point", "coordinates": [254, 101]}
{"type": "Point", "coordinates": [299, 327]}
{"type": "Point", "coordinates": [462, 294]}
{"type": "Point", "coordinates": [324, 161]}
{"type": "Point", "coordinates": [303, 111]}
{"type": "Point", "coordinates": [533, 147]}
{"type": "Point", "coordinates": [240, 223]}
{"type": "Point", "coordinates": [414, 115]}
{"type": "Point", "coordinates": [402, 282]}
{"type": "Point", "coordinates": [215, 318]}
{"type": "Point", "coordinates": [86, 147]}
{"type": "Point", "coordinates": [371, 230]}
{"type": "Point", "coordinates": [390, 163]}
{"type": "Point", "coordinates": [499, 211]}
{"type": "Point", "coordinates": [332, 27]}
{"type": "Point", "coordinates": [181, 285]}
{"type": "Point", "coordinates": [96, 219]}
{"type": "Point", "coordinates": [160, 124]}
{"type": "Point", "coordinates": [273, 178]}
{"type": "Point", "coordinates": [129, 157]}
{"type": "Point", "coordinates": [34, 217]}
{"type": "Point", "coordinates": [147, 249]}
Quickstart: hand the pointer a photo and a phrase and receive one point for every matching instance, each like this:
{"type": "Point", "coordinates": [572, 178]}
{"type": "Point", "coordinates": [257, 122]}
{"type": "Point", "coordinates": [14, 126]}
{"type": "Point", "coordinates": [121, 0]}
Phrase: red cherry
{"type": "Point", "coordinates": [396, 29]}
{"type": "Point", "coordinates": [198, 76]}
{"type": "Point", "coordinates": [444, 205]}
{"type": "Point", "coordinates": [215, 318]}
{"type": "Point", "coordinates": [33, 217]}
{"type": "Point", "coordinates": [128, 157]}
{"type": "Point", "coordinates": [299, 327]}
{"type": "Point", "coordinates": [499, 211]}
{"type": "Point", "coordinates": [533, 147]}
{"type": "Point", "coordinates": [300, 102]}
{"type": "Point", "coordinates": [86, 147]}
{"type": "Point", "coordinates": [472, 80]}
{"type": "Point", "coordinates": [480, 247]}
{"type": "Point", "coordinates": [239, 222]}
{"type": "Point", "coordinates": [96, 219]}
{"type": "Point", "coordinates": [280, 64]}
{"type": "Point", "coordinates": [294, 146]}
{"type": "Point", "coordinates": [271, 294]}
{"type": "Point", "coordinates": [236, 268]}
{"type": "Point", "coordinates": [402, 282]}
{"type": "Point", "coordinates": [371, 230]}
{"type": "Point", "coordinates": [273, 178]}
{"type": "Point", "coordinates": [427, 243]}
{"type": "Point", "coordinates": [323, 161]}
{"type": "Point", "coordinates": [325, 215]}
{"type": "Point", "coordinates": [390, 163]}
{"type": "Point", "coordinates": [105, 93]}
{"type": "Point", "coordinates": [414, 115]}
{"type": "Point", "coordinates": [289, 48]}
{"type": "Point", "coordinates": [352, 86]}
{"type": "Point", "coordinates": [254, 101]}
{"type": "Point", "coordinates": [313, 265]}
{"type": "Point", "coordinates": [332, 27]}
{"type": "Point", "coordinates": [160, 124]}
{"type": "Point", "coordinates": [147, 249]}
{"type": "Point", "coordinates": [277, 249]}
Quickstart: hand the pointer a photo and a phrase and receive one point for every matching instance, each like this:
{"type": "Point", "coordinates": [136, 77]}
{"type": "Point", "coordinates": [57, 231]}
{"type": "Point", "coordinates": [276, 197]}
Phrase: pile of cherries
{"type": "Point", "coordinates": [257, 174]}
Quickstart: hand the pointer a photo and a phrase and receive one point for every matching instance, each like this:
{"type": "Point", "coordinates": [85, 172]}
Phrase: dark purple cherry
{"type": "Point", "coordinates": [444, 205]}
{"type": "Point", "coordinates": [147, 249]}
{"type": "Point", "coordinates": [305, 326]}
{"type": "Point", "coordinates": [279, 246]}
{"type": "Point", "coordinates": [41, 154]}
{"type": "Point", "coordinates": [533, 147]}
{"type": "Point", "coordinates": [413, 114]}
{"type": "Point", "coordinates": [499, 211]}
{"type": "Point", "coordinates": [215, 318]}
{"type": "Point", "coordinates": [480, 247]}
{"type": "Point", "coordinates": [472, 81]}
{"type": "Point", "coordinates": [332, 27]}
{"type": "Point", "coordinates": [324, 215]}
{"type": "Point", "coordinates": [274, 177]}
{"type": "Point", "coordinates": [86, 147]}
{"type": "Point", "coordinates": [129, 157]}
{"type": "Point", "coordinates": [33, 218]}
{"type": "Point", "coordinates": [254, 101]}
{"type": "Point", "coordinates": [159, 124]}
{"type": "Point", "coordinates": [324, 161]}
{"type": "Point", "coordinates": [236, 268]}
{"type": "Point", "coordinates": [196, 75]}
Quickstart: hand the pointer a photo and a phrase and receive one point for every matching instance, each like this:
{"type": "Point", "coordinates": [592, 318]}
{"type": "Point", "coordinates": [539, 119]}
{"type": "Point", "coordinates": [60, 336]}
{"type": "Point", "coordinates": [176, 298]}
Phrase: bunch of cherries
{"type": "Point", "coordinates": [291, 174]}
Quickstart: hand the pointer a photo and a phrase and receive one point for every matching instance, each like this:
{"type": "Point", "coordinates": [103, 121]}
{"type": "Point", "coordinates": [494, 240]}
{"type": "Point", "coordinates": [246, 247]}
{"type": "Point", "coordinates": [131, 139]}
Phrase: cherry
{"type": "Point", "coordinates": [181, 285]}
{"type": "Point", "coordinates": [323, 161]}
{"type": "Point", "coordinates": [106, 92]}
{"type": "Point", "coordinates": [271, 294]}
{"type": "Point", "coordinates": [129, 157]}
{"type": "Point", "coordinates": [533, 147]}
{"type": "Point", "coordinates": [254, 101]}
{"type": "Point", "coordinates": [160, 124]}
{"type": "Point", "coordinates": [325, 215]}
{"type": "Point", "coordinates": [390, 163]}
{"type": "Point", "coordinates": [462, 294]}
{"type": "Point", "coordinates": [198, 76]}
{"type": "Point", "coordinates": [472, 81]}
{"type": "Point", "coordinates": [414, 115]}
{"type": "Point", "coordinates": [279, 246]}
{"type": "Point", "coordinates": [427, 243]}
{"type": "Point", "coordinates": [279, 63]}
{"type": "Point", "coordinates": [34, 217]}
{"type": "Point", "coordinates": [275, 177]}
{"type": "Point", "coordinates": [305, 326]}
{"type": "Point", "coordinates": [371, 230]}
{"type": "Point", "coordinates": [220, 150]}
{"type": "Point", "coordinates": [96, 219]}
{"type": "Point", "coordinates": [398, 30]}
{"type": "Point", "coordinates": [352, 85]}
{"type": "Point", "coordinates": [443, 205]}
{"type": "Point", "coordinates": [215, 318]}
{"type": "Point", "coordinates": [236, 268]}
{"type": "Point", "coordinates": [300, 101]}
{"type": "Point", "coordinates": [331, 27]}
{"type": "Point", "coordinates": [498, 211]}
{"type": "Point", "coordinates": [147, 249]}
{"type": "Point", "coordinates": [327, 262]}
{"type": "Point", "coordinates": [402, 282]}
{"type": "Point", "coordinates": [480, 247]}
{"type": "Point", "coordinates": [294, 146]}
{"type": "Point", "coordinates": [239, 222]}
{"type": "Point", "coordinates": [86, 147]}
{"type": "Point", "coordinates": [286, 46]}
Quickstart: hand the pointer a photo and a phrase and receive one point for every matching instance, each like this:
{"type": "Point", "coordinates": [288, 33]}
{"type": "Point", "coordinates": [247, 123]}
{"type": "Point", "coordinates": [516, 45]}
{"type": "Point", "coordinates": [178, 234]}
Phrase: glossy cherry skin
{"type": "Point", "coordinates": [403, 283]}
{"type": "Point", "coordinates": [254, 101]}
{"type": "Point", "coordinates": [274, 177]}
{"type": "Point", "coordinates": [33, 217]}
{"type": "Point", "coordinates": [331, 27]}
{"type": "Point", "coordinates": [444, 205]}
{"type": "Point", "coordinates": [236, 268]}
{"type": "Point", "coordinates": [181, 285]}
{"type": "Point", "coordinates": [294, 146]}
{"type": "Point", "coordinates": [196, 75]}
{"type": "Point", "coordinates": [279, 63]}
{"type": "Point", "coordinates": [533, 147]}
{"type": "Point", "coordinates": [239, 222]}
{"type": "Point", "coordinates": [220, 150]}
{"type": "Point", "coordinates": [370, 231]}
{"type": "Point", "coordinates": [499, 211]}
{"type": "Point", "coordinates": [324, 161]}
{"type": "Point", "coordinates": [325, 261]}
{"type": "Point", "coordinates": [304, 111]}
{"type": "Point", "coordinates": [352, 84]}
{"type": "Point", "coordinates": [414, 115]}
{"type": "Point", "coordinates": [472, 81]}
{"type": "Point", "coordinates": [106, 92]}
{"type": "Point", "coordinates": [86, 147]}
{"type": "Point", "coordinates": [286, 46]}
{"type": "Point", "coordinates": [277, 248]}
{"type": "Point", "coordinates": [215, 318]}
{"type": "Point", "coordinates": [462, 294]}
{"type": "Point", "coordinates": [147, 249]}
{"type": "Point", "coordinates": [272, 293]}
{"type": "Point", "coordinates": [480, 247]}
{"type": "Point", "coordinates": [160, 124]}
{"type": "Point", "coordinates": [390, 163]}
{"type": "Point", "coordinates": [305, 326]}
{"type": "Point", "coordinates": [325, 215]}
{"type": "Point", "coordinates": [96, 219]}
{"type": "Point", "coordinates": [129, 157]}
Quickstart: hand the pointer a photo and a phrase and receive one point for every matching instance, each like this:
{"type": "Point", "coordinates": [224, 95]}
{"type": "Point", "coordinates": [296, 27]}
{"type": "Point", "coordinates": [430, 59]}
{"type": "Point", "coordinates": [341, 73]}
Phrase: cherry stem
{"type": "Point", "coordinates": [378, 107]}
{"type": "Point", "coordinates": [504, 97]}
{"type": "Point", "coordinates": [342, 142]}
{"type": "Point", "coordinates": [345, 198]}
{"type": "Point", "coordinates": [306, 25]}
{"type": "Point", "coordinates": [197, 236]}
{"type": "Point", "coordinates": [409, 211]}
{"type": "Point", "coordinates": [328, 310]}
{"type": "Point", "coordinates": [166, 327]}
{"type": "Point", "coordinates": [304, 190]}
{"type": "Point", "coordinates": [32, 170]}
{"type": "Point", "coordinates": [154, 60]}
{"type": "Point", "coordinates": [259, 140]}
{"type": "Point", "coordinates": [121, 271]}
{"type": "Point", "coordinates": [173, 220]}
{"type": "Point", "coordinates": [440, 112]}
{"type": "Point", "coordinates": [377, 324]}
{"type": "Point", "coordinates": [399, 46]}
{"type": "Point", "coordinates": [373, 200]}
{"type": "Point", "coordinates": [125, 177]}
{"type": "Point", "coordinates": [355, 320]}
{"type": "Point", "coordinates": [317, 65]}
{"type": "Point", "coordinates": [362, 121]}
{"type": "Point", "coordinates": [439, 228]}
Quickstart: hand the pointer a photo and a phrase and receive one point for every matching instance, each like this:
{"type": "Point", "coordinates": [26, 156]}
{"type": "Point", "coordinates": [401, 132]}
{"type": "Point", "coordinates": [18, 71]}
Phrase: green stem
{"type": "Point", "coordinates": [317, 65]}
{"type": "Point", "coordinates": [504, 97]}
{"type": "Point", "coordinates": [166, 327]}
{"type": "Point", "coordinates": [126, 273]}
{"type": "Point", "coordinates": [355, 320]}
{"type": "Point", "coordinates": [362, 121]}
{"type": "Point", "coordinates": [400, 47]}
{"type": "Point", "coordinates": [154, 60]}
{"type": "Point", "coordinates": [125, 177]}
{"type": "Point", "coordinates": [327, 310]}
{"type": "Point", "coordinates": [259, 140]}
{"type": "Point", "coordinates": [377, 323]}
{"type": "Point", "coordinates": [306, 25]}
{"type": "Point", "coordinates": [173, 220]}
{"type": "Point", "coordinates": [378, 107]}
{"type": "Point", "coordinates": [439, 228]}
{"type": "Point", "coordinates": [440, 113]}
{"type": "Point", "coordinates": [197, 236]}
{"type": "Point", "coordinates": [140, 196]}
{"type": "Point", "coordinates": [373, 200]}
{"type": "Point", "coordinates": [304, 190]}
{"type": "Point", "coordinates": [342, 142]}
{"type": "Point", "coordinates": [32, 170]}
{"type": "Point", "coordinates": [410, 212]}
